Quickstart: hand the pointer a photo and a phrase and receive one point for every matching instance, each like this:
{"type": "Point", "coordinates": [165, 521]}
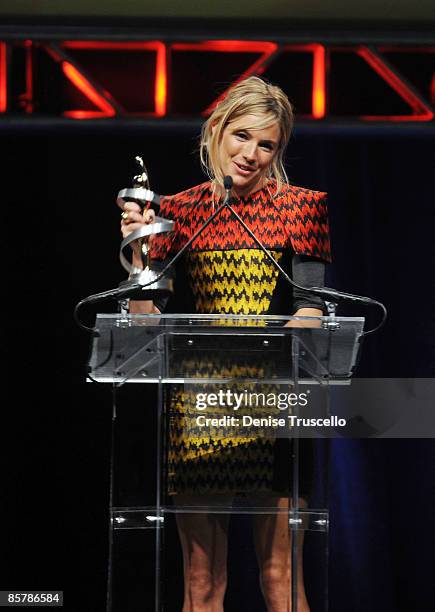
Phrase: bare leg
{"type": "Point", "coordinates": [204, 543]}
{"type": "Point", "coordinates": [273, 546]}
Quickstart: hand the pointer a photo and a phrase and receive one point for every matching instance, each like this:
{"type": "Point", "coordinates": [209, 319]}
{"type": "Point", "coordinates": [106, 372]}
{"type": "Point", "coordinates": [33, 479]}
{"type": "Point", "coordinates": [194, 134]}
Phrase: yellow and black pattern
{"type": "Point", "coordinates": [229, 274]}
{"type": "Point", "coordinates": [209, 460]}
{"type": "Point", "coordinates": [238, 282]}
{"type": "Point", "coordinates": [229, 282]}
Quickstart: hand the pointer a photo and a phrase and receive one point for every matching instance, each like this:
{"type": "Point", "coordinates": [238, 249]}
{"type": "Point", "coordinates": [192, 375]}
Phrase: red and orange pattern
{"type": "Point", "coordinates": [295, 218]}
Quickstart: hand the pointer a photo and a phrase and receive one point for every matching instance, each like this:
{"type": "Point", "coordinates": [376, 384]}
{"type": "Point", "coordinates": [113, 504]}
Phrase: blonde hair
{"type": "Point", "coordinates": [252, 96]}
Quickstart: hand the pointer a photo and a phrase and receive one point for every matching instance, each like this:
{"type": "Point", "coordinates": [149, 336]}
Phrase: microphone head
{"type": "Point", "coordinates": [228, 182]}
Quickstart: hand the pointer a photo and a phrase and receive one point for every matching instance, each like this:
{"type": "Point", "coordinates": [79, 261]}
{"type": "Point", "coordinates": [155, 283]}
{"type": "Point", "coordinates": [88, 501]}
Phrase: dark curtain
{"type": "Point", "coordinates": [63, 237]}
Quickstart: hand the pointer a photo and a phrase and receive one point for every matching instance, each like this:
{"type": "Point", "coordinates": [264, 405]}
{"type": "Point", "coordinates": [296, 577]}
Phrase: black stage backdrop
{"type": "Point", "coordinates": [62, 226]}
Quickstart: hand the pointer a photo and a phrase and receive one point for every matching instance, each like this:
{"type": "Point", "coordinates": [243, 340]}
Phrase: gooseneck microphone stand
{"type": "Point", "coordinates": [326, 293]}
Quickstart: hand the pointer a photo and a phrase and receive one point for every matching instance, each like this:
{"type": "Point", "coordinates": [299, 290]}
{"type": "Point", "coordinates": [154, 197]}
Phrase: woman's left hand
{"type": "Point", "coordinates": [306, 312]}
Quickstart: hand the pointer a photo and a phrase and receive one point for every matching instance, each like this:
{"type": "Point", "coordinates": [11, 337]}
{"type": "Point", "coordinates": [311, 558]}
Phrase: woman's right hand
{"type": "Point", "coordinates": [132, 220]}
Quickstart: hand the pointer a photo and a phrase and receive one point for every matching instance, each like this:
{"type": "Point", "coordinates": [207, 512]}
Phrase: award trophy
{"type": "Point", "coordinates": [146, 283]}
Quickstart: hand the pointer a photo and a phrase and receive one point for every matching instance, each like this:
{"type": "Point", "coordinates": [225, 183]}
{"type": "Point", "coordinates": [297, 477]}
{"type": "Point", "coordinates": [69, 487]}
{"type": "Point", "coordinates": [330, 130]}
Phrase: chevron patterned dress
{"type": "Point", "coordinates": [229, 274]}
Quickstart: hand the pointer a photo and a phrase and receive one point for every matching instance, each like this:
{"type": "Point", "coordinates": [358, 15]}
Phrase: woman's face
{"type": "Point", "coordinates": [246, 154]}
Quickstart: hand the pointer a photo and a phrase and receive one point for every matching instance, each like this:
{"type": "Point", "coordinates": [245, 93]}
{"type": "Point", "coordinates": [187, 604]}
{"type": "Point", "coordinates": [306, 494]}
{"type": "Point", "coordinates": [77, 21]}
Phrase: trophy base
{"type": "Point", "coordinates": [149, 288]}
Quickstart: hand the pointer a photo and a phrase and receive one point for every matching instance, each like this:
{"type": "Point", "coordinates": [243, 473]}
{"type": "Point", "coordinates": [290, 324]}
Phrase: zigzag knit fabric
{"type": "Point", "coordinates": [229, 274]}
{"type": "Point", "coordinates": [295, 218]}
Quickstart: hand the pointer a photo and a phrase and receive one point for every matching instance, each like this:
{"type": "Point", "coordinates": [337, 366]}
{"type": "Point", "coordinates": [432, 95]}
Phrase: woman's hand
{"type": "Point", "coordinates": [306, 312]}
{"type": "Point", "coordinates": [133, 219]}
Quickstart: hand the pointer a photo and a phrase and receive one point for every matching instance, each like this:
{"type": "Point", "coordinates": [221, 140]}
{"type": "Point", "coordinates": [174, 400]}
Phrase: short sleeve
{"type": "Point", "coordinates": [307, 222]}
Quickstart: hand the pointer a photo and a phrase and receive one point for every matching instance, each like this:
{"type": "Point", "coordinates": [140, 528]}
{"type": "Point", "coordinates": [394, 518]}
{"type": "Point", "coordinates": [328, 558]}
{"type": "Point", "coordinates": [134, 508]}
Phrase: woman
{"type": "Point", "coordinates": [245, 138]}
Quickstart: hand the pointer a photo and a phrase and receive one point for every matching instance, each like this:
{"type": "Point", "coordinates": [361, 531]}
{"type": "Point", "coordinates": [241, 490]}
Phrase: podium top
{"type": "Point", "coordinates": [105, 321]}
{"type": "Point", "coordinates": [194, 347]}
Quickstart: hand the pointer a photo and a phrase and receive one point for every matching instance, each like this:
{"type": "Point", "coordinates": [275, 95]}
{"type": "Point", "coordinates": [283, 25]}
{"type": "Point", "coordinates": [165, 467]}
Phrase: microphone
{"type": "Point", "coordinates": [228, 182]}
{"type": "Point", "coordinates": [334, 295]}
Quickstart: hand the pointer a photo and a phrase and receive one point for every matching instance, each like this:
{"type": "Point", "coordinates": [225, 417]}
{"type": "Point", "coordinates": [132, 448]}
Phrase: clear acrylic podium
{"type": "Point", "coordinates": [279, 371]}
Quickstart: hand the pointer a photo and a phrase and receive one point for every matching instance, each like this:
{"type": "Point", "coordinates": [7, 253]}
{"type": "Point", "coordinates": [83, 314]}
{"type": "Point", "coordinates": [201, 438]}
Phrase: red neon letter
{"type": "Point", "coordinates": [318, 81]}
{"type": "Point", "coordinates": [3, 78]}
